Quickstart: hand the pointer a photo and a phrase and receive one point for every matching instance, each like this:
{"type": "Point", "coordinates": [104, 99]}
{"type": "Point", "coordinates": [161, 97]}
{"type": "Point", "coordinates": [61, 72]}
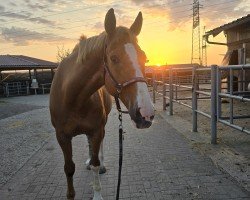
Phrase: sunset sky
{"type": "Point", "coordinates": [38, 28]}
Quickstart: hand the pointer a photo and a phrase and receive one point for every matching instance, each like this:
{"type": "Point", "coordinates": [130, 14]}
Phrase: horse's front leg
{"type": "Point", "coordinates": [96, 141]}
{"type": "Point", "coordinates": [69, 166]}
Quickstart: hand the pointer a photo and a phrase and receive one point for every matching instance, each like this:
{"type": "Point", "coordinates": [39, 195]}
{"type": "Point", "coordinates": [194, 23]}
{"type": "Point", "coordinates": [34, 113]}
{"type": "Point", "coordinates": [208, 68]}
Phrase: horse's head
{"type": "Point", "coordinates": [125, 62]}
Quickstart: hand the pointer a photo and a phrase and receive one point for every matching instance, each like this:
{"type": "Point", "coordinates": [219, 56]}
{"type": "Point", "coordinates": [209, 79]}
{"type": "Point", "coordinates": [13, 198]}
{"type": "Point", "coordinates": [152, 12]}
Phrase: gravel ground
{"type": "Point", "coordinates": [232, 151]}
{"type": "Point", "coordinates": [21, 133]}
{"type": "Point", "coordinates": [159, 163]}
{"type": "Point", "coordinates": [10, 109]}
{"type": "Point", "coordinates": [27, 129]}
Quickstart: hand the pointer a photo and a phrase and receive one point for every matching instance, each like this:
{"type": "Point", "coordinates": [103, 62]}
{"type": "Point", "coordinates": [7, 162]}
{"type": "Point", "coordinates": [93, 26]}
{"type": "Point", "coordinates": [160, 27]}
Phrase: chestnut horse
{"type": "Point", "coordinates": [80, 94]}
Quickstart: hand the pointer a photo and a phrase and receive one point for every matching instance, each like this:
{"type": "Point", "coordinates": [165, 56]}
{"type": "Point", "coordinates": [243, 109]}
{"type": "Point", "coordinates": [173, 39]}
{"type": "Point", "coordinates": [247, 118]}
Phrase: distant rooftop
{"type": "Point", "coordinates": [233, 24]}
{"type": "Point", "coordinates": [18, 62]}
{"type": "Point", "coordinates": [151, 68]}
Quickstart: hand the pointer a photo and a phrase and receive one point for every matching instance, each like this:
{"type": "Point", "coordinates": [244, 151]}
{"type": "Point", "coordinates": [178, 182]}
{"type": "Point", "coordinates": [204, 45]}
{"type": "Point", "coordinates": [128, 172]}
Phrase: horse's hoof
{"type": "Point", "coordinates": [102, 170]}
{"type": "Point", "coordinates": [88, 167]}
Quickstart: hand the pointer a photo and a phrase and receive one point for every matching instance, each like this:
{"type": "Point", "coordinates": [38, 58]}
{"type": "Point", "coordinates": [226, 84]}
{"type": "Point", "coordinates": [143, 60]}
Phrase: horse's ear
{"type": "Point", "coordinates": [136, 26]}
{"type": "Point", "coordinates": [110, 22]}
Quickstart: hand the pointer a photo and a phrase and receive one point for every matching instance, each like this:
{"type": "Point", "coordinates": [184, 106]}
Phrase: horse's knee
{"type": "Point", "coordinates": [69, 169]}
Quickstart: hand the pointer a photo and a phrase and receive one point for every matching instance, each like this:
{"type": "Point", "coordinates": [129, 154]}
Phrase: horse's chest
{"type": "Point", "coordinates": [86, 119]}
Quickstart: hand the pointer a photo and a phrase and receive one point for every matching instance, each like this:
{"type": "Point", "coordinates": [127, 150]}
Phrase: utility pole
{"type": "Point", "coordinates": [196, 50]}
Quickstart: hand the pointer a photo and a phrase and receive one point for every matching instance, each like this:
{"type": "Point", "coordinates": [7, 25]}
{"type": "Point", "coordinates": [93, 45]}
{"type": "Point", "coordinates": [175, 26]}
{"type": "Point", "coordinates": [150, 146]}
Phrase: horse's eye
{"type": "Point", "coordinates": [114, 59]}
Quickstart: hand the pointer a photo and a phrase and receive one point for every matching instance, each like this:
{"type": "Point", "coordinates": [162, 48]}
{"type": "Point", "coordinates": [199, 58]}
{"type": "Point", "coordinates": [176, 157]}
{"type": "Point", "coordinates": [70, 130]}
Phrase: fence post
{"type": "Point", "coordinates": [7, 89]}
{"type": "Point", "coordinates": [214, 83]}
{"type": "Point", "coordinates": [43, 88]}
{"type": "Point", "coordinates": [218, 72]}
{"type": "Point", "coordinates": [171, 91]}
{"type": "Point", "coordinates": [153, 81]}
{"type": "Point", "coordinates": [18, 88]}
{"type": "Point", "coordinates": [164, 88]}
{"type": "Point", "coordinates": [194, 98]}
{"type": "Point", "coordinates": [231, 86]}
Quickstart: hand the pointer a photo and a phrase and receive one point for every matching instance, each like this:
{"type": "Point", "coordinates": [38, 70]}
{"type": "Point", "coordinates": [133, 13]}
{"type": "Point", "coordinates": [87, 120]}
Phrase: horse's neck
{"type": "Point", "coordinates": [85, 78]}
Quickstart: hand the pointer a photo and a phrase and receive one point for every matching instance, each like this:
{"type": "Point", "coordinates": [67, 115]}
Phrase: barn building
{"type": "Point", "coordinates": [23, 75]}
{"type": "Point", "coordinates": [237, 35]}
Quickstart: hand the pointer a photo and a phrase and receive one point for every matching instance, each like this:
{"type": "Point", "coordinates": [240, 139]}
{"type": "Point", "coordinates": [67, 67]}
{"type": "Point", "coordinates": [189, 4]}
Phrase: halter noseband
{"type": "Point", "coordinates": [117, 85]}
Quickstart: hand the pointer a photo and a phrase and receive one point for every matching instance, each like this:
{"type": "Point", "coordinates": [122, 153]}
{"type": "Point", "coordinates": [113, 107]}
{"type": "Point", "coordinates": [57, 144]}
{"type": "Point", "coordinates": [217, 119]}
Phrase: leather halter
{"type": "Point", "coordinates": [117, 85]}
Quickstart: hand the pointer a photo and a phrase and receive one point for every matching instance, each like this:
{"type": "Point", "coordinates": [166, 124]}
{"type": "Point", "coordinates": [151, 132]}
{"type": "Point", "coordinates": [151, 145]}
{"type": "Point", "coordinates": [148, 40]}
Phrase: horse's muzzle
{"type": "Point", "coordinates": [142, 122]}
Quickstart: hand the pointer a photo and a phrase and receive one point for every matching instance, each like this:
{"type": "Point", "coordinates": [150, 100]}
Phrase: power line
{"type": "Point", "coordinates": [75, 10]}
{"type": "Point", "coordinates": [29, 34]}
{"type": "Point", "coordinates": [224, 8]}
{"type": "Point", "coordinates": [1, 50]}
{"type": "Point", "coordinates": [229, 1]}
{"type": "Point", "coordinates": [69, 11]}
{"type": "Point", "coordinates": [98, 18]}
{"type": "Point", "coordinates": [181, 17]}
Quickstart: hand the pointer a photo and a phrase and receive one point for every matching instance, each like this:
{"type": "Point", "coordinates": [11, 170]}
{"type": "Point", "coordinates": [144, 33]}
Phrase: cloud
{"type": "Point", "coordinates": [99, 26]}
{"type": "Point", "coordinates": [37, 6]}
{"type": "Point", "coordinates": [218, 12]}
{"type": "Point", "coordinates": [27, 17]}
{"type": "Point", "coordinates": [2, 8]}
{"type": "Point", "coordinates": [23, 36]}
{"type": "Point", "coordinates": [178, 13]}
{"type": "Point", "coordinates": [13, 4]}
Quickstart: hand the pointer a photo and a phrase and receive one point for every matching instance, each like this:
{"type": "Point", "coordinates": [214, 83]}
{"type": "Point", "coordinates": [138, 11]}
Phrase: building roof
{"type": "Point", "coordinates": [18, 62]}
{"type": "Point", "coordinates": [151, 69]}
{"type": "Point", "coordinates": [233, 24]}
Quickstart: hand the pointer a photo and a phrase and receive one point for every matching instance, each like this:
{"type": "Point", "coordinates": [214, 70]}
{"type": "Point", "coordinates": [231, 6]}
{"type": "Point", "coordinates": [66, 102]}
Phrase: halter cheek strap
{"type": "Point", "coordinates": [119, 86]}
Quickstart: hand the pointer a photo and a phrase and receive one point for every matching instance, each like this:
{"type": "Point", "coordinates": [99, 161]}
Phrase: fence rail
{"type": "Point", "coordinates": [171, 83]}
{"type": "Point", "coordinates": [16, 88]}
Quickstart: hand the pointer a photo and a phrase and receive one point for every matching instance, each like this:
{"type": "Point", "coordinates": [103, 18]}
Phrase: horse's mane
{"type": "Point", "coordinates": [87, 46]}
{"type": "Point", "coordinates": [95, 45]}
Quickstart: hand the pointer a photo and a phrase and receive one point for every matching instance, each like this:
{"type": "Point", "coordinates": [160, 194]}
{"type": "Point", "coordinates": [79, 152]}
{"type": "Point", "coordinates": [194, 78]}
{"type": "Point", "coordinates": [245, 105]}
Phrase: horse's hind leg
{"type": "Point", "coordinates": [69, 165]}
{"type": "Point", "coordinates": [90, 154]}
{"type": "Point", "coordinates": [101, 157]}
{"type": "Point", "coordinates": [96, 141]}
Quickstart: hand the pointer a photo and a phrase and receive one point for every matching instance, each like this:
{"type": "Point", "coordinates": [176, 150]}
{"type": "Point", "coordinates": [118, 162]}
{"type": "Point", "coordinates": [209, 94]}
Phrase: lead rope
{"type": "Point", "coordinates": [120, 155]}
{"type": "Point", "coordinates": [121, 137]}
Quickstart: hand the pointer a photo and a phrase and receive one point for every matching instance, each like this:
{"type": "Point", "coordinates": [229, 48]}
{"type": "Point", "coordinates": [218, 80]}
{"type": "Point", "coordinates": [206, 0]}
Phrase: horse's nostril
{"type": "Point", "coordinates": [152, 117]}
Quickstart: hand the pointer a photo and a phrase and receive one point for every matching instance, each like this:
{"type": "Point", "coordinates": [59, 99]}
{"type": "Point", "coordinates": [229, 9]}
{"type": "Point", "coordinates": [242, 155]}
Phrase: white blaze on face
{"type": "Point", "coordinates": [143, 98]}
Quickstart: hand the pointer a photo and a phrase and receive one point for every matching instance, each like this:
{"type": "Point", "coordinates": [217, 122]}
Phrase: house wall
{"type": "Point", "coordinates": [239, 33]}
{"type": "Point", "coordinates": [237, 36]}
{"type": "Point", "coordinates": [235, 39]}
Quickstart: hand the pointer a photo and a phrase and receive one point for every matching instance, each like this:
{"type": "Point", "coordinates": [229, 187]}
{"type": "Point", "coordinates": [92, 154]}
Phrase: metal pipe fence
{"type": "Point", "coordinates": [16, 88]}
{"type": "Point", "coordinates": [173, 85]}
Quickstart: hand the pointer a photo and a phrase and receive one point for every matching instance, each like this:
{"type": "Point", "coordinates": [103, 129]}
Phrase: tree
{"type": "Point", "coordinates": [62, 53]}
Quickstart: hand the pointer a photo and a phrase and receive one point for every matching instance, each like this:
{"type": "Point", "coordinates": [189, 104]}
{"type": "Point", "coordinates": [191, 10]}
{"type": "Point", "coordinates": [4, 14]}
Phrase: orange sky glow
{"type": "Point", "coordinates": [39, 28]}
